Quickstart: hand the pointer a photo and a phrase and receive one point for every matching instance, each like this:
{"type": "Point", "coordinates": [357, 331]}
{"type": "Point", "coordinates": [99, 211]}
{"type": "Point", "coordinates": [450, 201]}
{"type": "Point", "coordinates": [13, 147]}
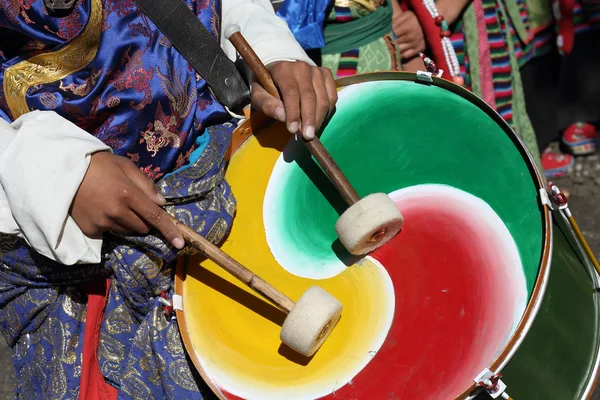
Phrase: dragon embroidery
{"type": "Point", "coordinates": [165, 129]}
{"type": "Point", "coordinates": [161, 133]}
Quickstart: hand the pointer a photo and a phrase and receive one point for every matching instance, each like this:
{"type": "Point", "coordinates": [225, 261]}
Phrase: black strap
{"type": "Point", "coordinates": [187, 34]}
{"type": "Point", "coordinates": [63, 7]}
{"type": "Point", "coordinates": [276, 4]}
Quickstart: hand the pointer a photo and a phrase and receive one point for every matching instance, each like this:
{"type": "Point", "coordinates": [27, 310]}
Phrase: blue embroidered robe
{"type": "Point", "coordinates": [110, 71]}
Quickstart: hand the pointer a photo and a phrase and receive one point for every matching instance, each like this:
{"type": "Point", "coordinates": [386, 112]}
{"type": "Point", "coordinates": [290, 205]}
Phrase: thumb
{"type": "Point", "coordinates": [267, 104]}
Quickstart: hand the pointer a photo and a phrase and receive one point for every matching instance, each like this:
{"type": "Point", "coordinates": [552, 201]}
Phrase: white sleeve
{"type": "Point", "coordinates": [43, 159]}
{"type": "Point", "coordinates": [269, 35]}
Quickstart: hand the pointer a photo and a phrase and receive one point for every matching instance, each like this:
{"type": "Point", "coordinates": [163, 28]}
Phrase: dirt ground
{"type": "Point", "coordinates": [583, 186]}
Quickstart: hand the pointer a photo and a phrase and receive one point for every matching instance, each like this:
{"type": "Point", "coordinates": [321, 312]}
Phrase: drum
{"type": "Point", "coordinates": [483, 287]}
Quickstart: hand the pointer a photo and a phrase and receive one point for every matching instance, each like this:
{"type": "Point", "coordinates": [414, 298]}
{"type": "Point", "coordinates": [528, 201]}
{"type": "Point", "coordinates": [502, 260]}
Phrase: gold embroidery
{"type": "Point", "coordinates": [51, 67]}
{"type": "Point", "coordinates": [119, 320]}
{"type": "Point", "coordinates": [174, 346]}
{"type": "Point", "coordinates": [153, 364]}
{"type": "Point", "coordinates": [181, 94]}
{"type": "Point", "coordinates": [73, 305]}
{"type": "Point", "coordinates": [180, 373]}
{"type": "Point", "coordinates": [135, 387]}
{"type": "Point", "coordinates": [370, 5]}
{"type": "Point", "coordinates": [111, 349]}
{"type": "Point", "coordinates": [85, 88]}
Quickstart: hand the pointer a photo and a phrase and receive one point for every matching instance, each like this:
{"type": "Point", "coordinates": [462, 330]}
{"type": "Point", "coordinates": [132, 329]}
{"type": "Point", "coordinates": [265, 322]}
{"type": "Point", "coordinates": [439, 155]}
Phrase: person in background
{"type": "Point", "coordinates": [561, 83]}
{"type": "Point", "coordinates": [354, 36]}
{"type": "Point", "coordinates": [481, 45]}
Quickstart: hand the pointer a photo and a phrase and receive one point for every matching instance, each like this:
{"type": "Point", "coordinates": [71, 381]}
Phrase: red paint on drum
{"type": "Point", "coordinates": [450, 319]}
{"type": "Point", "coordinates": [230, 396]}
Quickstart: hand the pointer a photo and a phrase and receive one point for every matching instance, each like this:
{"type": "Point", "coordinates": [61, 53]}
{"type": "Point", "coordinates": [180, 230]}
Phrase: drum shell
{"type": "Point", "coordinates": [558, 358]}
{"type": "Point", "coordinates": [543, 352]}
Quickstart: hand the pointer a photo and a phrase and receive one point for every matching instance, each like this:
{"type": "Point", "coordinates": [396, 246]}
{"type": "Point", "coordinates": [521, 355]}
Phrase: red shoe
{"type": "Point", "coordinates": [580, 139]}
{"type": "Point", "coordinates": [556, 164]}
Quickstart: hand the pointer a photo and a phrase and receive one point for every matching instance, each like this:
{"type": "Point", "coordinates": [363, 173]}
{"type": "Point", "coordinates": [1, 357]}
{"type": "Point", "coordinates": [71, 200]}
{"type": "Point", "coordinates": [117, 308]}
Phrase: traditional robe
{"type": "Point", "coordinates": [83, 316]}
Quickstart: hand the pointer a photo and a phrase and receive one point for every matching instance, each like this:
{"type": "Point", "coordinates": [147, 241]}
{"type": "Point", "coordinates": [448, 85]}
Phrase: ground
{"type": "Point", "coordinates": [583, 186]}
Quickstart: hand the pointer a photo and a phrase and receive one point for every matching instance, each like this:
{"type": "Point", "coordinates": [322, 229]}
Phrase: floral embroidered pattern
{"type": "Point", "coordinates": [184, 158]}
{"type": "Point", "coordinates": [134, 76]}
{"type": "Point", "coordinates": [120, 7]}
{"type": "Point", "coordinates": [85, 88]}
{"type": "Point", "coordinates": [152, 172]}
{"type": "Point", "coordinates": [70, 26]}
{"type": "Point", "coordinates": [112, 134]}
{"type": "Point", "coordinates": [16, 8]}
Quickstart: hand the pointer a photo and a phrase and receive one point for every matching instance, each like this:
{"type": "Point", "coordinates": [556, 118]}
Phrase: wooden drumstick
{"type": "Point", "coordinates": [315, 146]}
{"type": "Point", "coordinates": [236, 269]}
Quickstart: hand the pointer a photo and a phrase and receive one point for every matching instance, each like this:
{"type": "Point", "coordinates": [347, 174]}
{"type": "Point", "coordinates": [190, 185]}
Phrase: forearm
{"type": "Point", "coordinates": [451, 10]}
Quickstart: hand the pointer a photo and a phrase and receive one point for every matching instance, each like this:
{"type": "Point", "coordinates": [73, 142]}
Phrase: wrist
{"type": "Point", "coordinates": [447, 10]}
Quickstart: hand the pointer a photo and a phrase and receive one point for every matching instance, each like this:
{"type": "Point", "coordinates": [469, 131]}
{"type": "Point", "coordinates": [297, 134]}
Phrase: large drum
{"type": "Point", "coordinates": [483, 276]}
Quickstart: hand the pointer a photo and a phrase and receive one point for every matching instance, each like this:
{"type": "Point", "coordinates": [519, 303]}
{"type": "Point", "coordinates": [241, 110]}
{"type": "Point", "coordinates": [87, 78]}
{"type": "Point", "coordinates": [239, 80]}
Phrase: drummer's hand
{"type": "Point", "coordinates": [116, 196]}
{"type": "Point", "coordinates": [308, 94]}
{"type": "Point", "coordinates": [409, 34]}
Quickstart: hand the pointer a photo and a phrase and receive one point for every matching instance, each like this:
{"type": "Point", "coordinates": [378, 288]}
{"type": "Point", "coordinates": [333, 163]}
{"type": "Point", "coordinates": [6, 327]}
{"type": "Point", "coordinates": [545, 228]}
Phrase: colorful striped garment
{"type": "Point", "coordinates": [500, 30]}
{"type": "Point", "coordinates": [511, 45]}
{"type": "Point", "coordinates": [382, 54]}
{"type": "Point", "coordinates": [586, 15]}
{"type": "Point", "coordinates": [574, 18]}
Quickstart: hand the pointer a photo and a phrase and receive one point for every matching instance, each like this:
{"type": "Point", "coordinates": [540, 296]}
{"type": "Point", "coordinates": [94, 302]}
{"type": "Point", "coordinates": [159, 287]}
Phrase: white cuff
{"type": "Point", "coordinates": [267, 34]}
{"type": "Point", "coordinates": [274, 48]}
{"type": "Point", "coordinates": [43, 160]}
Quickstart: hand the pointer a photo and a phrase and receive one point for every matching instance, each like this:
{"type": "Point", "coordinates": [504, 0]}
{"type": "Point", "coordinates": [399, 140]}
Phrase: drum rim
{"type": "Point", "coordinates": [245, 131]}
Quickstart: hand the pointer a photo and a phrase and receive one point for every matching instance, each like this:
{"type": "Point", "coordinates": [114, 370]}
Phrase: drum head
{"type": "Point", "coordinates": [423, 315]}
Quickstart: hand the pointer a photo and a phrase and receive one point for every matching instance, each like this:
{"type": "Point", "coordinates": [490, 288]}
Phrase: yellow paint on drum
{"type": "Point", "coordinates": [235, 333]}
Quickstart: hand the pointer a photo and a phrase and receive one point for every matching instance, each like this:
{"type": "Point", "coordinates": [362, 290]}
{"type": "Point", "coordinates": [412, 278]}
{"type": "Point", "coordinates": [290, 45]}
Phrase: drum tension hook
{"type": "Point", "coordinates": [559, 199]}
{"type": "Point", "coordinates": [167, 304]}
{"type": "Point", "coordinates": [492, 384]}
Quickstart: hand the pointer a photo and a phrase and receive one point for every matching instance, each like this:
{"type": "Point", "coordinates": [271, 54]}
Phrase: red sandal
{"type": "Point", "coordinates": [580, 139]}
{"type": "Point", "coordinates": [556, 164]}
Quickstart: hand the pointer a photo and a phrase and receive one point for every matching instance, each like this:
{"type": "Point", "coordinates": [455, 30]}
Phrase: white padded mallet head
{"type": "Point", "coordinates": [369, 224]}
{"type": "Point", "coordinates": [311, 321]}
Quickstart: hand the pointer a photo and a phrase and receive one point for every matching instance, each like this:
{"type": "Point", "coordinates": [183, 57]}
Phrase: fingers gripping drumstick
{"type": "Point", "coordinates": [309, 321]}
{"type": "Point", "coordinates": [368, 223]}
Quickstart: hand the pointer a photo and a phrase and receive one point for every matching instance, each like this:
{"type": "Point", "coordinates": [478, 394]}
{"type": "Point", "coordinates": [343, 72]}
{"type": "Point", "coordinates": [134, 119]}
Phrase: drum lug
{"type": "Point", "coordinates": [170, 306]}
{"type": "Point", "coordinates": [492, 384]}
{"type": "Point", "coordinates": [545, 199]}
{"type": "Point", "coordinates": [177, 302]}
{"type": "Point", "coordinates": [425, 77]}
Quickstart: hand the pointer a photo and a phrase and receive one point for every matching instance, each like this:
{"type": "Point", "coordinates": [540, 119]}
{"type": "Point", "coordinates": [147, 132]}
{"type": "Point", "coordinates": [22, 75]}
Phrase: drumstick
{"type": "Point", "coordinates": [236, 269]}
{"type": "Point", "coordinates": [368, 223]}
{"type": "Point", "coordinates": [309, 321]}
{"type": "Point", "coordinates": [314, 145]}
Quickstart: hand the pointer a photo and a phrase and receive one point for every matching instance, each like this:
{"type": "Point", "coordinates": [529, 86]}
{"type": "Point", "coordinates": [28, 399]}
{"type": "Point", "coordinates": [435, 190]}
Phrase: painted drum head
{"type": "Point", "coordinates": [424, 314]}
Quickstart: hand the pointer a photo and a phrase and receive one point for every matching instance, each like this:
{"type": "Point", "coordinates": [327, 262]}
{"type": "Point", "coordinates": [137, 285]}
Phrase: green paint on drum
{"type": "Point", "coordinates": [389, 135]}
